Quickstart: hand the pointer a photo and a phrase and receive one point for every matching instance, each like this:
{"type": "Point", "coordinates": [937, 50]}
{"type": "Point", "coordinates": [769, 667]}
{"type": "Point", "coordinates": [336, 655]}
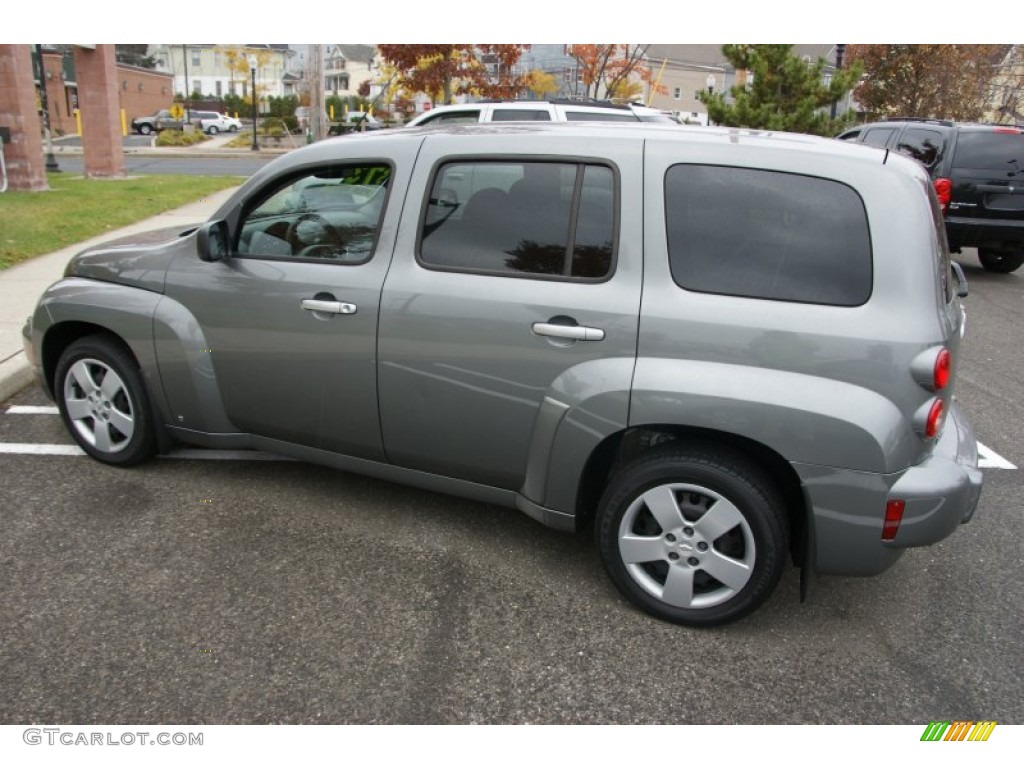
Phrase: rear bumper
{"type": "Point", "coordinates": [968, 232]}
{"type": "Point", "coordinates": [847, 508]}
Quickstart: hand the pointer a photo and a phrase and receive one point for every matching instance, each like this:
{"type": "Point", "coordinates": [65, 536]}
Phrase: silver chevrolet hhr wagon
{"type": "Point", "coordinates": [718, 349]}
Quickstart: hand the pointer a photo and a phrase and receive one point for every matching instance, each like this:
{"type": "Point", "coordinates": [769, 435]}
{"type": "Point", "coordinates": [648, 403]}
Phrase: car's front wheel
{"type": "Point", "coordinates": [692, 536]}
{"type": "Point", "coordinates": [999, 260]}
{"type": "Point", "coordinates": [102, 399]}
{"type": "Point", "coordinates": [145, 129]}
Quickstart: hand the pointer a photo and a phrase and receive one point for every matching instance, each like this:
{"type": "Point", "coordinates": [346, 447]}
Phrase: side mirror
{"type": "Point", "coordinates": [212, 241]}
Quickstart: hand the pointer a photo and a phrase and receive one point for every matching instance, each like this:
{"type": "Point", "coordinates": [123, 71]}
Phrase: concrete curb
{"type": "Point", "coordinates": [15, 375]}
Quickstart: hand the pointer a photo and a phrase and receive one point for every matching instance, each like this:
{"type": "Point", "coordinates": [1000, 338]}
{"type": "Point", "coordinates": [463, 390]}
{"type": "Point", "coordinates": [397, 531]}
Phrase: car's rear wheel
{"type": "Point", "coordinates": [145, 129]}
{"type": "Point", "coordinates": [692, 536]}
{"type": "Point", "coordinates": [999, 260]}
{"type": "Point", "coordinates": [103, 402]}
{"type": "Point", "coordinates": [212, 130]}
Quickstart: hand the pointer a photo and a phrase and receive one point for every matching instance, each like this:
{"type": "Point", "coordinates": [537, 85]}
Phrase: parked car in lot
{"type": "Point", "coordinates": [564, 110]}
{"type": "Point", "coordinates": [161, 121]}
{"type": "Point", "coordinates": [215, 122]}
{"type": "Point", "coordinates": [978, 172]}
{"type": "Point", "coordinates": [722, 349]}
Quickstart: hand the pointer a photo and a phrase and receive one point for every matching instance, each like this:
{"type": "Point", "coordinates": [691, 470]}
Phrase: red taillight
{"type": "Point", "coordinates": [933, 424]}
{"type": "Point", "coordinates": [1006, 130]}
{"type": "Point", "coordinates": [893, 518]}
{"type": "Point", "coordinates": [942, 364]}
{"type": "Point", "coordinates": [944, 190]}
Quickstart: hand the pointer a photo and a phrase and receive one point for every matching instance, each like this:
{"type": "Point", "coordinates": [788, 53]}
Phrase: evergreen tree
{"type": "Point", "coordinates": [778, 91]}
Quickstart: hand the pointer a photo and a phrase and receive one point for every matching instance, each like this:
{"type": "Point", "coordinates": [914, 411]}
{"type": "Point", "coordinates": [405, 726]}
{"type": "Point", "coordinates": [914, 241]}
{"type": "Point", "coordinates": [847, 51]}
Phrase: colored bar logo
{"type": "Point", "coordinates": [958, 730]}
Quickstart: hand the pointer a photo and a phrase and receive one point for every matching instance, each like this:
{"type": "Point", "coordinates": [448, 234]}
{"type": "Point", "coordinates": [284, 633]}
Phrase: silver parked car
{"type": "Point", "coordinates": [720, 349]}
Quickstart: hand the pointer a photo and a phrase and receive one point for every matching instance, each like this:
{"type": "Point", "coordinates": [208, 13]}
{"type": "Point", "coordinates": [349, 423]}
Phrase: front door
{"type": "Point", "coordinates": [291, 316]}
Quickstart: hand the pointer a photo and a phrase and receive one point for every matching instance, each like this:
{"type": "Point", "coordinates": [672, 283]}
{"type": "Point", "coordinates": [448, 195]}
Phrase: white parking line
{"type": "Point", "coordinates": [34, 409]}
{"type": "Point", "coordinates": [989, 459]}
{"type": "Point", "coordinates": [58, 449]}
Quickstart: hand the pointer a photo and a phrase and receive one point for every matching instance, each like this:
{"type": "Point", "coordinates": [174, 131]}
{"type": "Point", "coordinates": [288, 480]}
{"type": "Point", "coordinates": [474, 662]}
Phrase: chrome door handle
{"type": "Point", "coordinates": [329, 307]}
{"type": "Point", "coordinates": [574, 332]}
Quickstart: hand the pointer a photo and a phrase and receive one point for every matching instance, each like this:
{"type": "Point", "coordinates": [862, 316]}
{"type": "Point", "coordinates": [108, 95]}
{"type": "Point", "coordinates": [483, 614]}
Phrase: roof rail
{"type": "Point", "coordinates": [934, 121]}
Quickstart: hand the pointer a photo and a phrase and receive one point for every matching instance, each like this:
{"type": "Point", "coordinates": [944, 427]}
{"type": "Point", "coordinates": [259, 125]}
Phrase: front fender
{"type": "Point", "coordinates": [78, 306]}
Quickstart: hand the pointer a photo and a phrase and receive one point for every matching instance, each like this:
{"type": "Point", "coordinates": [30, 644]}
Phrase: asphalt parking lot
{"type": "Point", "coordinates": [195, 590]}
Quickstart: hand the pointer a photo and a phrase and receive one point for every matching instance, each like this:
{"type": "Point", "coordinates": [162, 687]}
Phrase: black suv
{"type": "Point", "coordinates": [979, 177]}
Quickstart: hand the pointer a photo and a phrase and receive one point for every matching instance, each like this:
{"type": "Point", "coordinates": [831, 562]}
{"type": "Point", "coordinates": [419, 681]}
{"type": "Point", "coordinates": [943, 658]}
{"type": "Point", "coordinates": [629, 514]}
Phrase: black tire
{"type": "Point", "coordinates": [212, 130]}
{"type": "Point", "coordinates": [674, 571]}
{"type": "Point", "coordinates": [103, 401]}
{"type": "Point", "coordinates": [1000, 261]}
{"type": "Point", "coordinates": [145, 129]}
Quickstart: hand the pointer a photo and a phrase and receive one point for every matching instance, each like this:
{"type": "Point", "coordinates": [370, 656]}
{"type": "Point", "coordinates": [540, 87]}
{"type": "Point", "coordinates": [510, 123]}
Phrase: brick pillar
{"type": "Point", "coordinates": [96, 74]}
{"type": "Point", "coordinates": [23, 156]}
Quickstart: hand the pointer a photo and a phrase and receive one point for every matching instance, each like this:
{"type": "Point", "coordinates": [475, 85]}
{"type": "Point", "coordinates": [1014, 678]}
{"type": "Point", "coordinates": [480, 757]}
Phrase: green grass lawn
{"type": "Point", "coordinates": [75, 209]}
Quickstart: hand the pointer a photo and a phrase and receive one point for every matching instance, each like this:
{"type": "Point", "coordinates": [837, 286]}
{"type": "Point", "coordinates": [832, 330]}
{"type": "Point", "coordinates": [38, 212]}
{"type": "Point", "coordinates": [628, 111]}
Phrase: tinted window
{"type": "Point", "coordinates": [601, 117]}
{"type": "Point", "coordinates": [550, 219]}
{"type": "Point", "coordinates": [923, 144]}
{"type": "Point", "coordinates": [878, 137]}
{"type": "Point", "coordinates": [332, 213]}
{"type": "Point", "coordinates": [505, 115]}
{"type": "Point", "coordinates": [992, 150]}
{"type": "Point", "coordinates": [766, 234]}
{"type": "Point", "coordinates": [466, 116]}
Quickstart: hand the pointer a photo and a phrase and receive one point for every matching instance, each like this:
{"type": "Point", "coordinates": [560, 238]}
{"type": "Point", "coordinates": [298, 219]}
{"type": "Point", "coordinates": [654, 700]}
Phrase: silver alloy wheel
{"type": "Point", "coordinates": [686, 545]}
{"type": "Point", "coordinates": [98, 405]}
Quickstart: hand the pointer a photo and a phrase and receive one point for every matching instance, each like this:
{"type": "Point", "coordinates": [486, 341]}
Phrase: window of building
{"type": "Point", "coordinates": [196, 57]}
{"type": "Point", "coordinates": [767, 235]}
{"type": "Point", "coordinates": [523, 219]}
{"type": "Point", "coordinates": [332, 213]}
{"type": "Point", "coordinates": [677, 93]}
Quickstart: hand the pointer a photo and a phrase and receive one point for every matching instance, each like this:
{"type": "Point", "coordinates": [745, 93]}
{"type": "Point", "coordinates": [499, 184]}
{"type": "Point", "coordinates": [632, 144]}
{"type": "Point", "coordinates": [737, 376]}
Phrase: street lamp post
{"type": "Point", "coordinates": [51, 160]}
{"type": "Point", "coordinates": [252, 71]}
{"type": "Point", "coordinates": [710, 83]}
{"type": "Point", "coordinates": [840, 50]}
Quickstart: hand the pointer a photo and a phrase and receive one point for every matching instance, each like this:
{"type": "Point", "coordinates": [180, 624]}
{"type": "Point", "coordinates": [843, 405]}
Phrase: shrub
{"type": "Point", "coordinates": [180, 138]}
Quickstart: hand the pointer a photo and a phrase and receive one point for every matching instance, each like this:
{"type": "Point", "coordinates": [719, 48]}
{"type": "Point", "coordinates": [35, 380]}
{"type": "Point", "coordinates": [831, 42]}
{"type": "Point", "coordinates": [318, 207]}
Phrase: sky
{"type": "Point", "coordinates": [529, 21]}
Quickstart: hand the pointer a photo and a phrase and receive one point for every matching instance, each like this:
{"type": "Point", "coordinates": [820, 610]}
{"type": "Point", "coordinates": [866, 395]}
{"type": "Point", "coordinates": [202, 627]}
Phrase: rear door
{"type": "Point", "coordinates": [512, 299]}
{"type": "Point", "coordinates": [988, 174]}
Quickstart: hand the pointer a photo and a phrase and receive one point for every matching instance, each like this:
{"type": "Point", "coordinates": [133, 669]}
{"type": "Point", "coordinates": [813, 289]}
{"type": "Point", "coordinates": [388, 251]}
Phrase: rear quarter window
{"type": "Point", "coordinates": [767, 235]}
{"type": "Point", "coordinates": [995, 150]}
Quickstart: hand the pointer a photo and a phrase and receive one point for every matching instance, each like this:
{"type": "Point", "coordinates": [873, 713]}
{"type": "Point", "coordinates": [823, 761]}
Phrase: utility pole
{"type": "Point", "coordinates": [317, 128]}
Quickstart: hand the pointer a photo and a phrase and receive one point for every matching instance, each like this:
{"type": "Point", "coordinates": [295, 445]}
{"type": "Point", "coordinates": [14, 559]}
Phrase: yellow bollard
{"type": "Point", "coordinates": [78, 121]}
{"type": "Point", "coordinates": [332, 113]}
{"type": "Point", "coordinates": [124, 123]}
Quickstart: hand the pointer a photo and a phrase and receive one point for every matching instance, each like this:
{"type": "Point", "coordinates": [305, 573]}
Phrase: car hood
{"type": "Point", "coordinates": [139, 260]}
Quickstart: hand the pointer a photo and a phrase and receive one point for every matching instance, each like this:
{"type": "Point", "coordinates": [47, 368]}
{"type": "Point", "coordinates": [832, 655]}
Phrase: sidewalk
{"type": "Point", "coordinates": [23, 284]}
{"type": "Point", "coordinates": [214, 146]}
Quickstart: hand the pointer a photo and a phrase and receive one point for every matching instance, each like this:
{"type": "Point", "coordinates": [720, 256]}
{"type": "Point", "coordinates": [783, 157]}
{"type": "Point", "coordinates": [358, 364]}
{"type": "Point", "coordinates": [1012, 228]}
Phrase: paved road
{"type": "Point", "coordinates": [199, 591]}
{"type": "Point", "coordinates": [222, 165]}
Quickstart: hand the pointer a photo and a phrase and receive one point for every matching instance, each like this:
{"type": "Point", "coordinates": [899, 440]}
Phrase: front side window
{"type": "Point", "coordinates": [448, 118]}
{"type": "Point", "coordinates": [555, 220]}
{"type": "Point", "coordinates": [767, 235]}
{"type": "Point", "coordinates": [333, 213]}
{"type": "Point", "coordinates": [878, 137]}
